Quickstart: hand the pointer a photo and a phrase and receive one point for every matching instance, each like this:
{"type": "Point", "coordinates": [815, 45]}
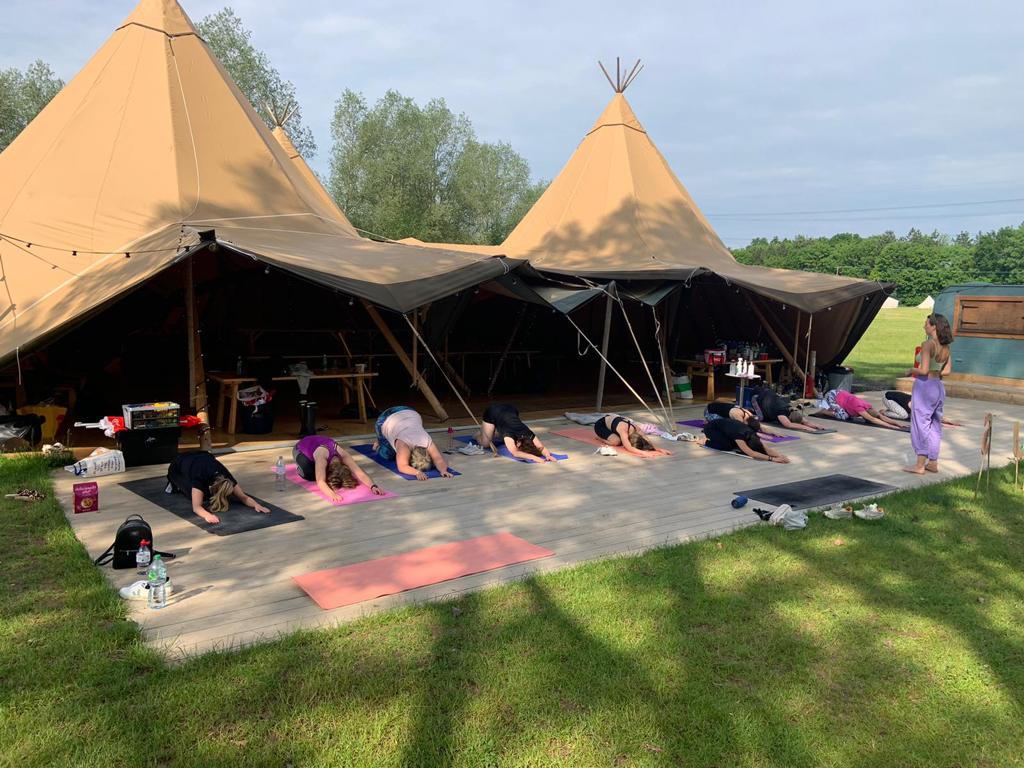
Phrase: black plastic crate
{"type": "Point", "coordinates": [149, 446]}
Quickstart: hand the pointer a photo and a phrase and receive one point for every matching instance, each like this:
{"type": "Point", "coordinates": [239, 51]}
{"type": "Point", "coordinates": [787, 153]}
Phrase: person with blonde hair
{"type": "Point", "coordinates": [321, 460]}
{"type": "Point", "coordinates": [202, 478]}
{"type": "Point", "coordinates": [620, 432]}
{"type": "Point", "coordinates": [928, 395]}
{"type": "Point", "coordinates": [402, 438]}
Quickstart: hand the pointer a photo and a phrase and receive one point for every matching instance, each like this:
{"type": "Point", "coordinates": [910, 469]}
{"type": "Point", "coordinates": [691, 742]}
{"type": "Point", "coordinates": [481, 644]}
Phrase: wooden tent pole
{"type": "Point", "coordinates": [424, 388]}
{"type": "Point", "coordinates": [807, 359]}
{"type": "Point", "coordinates": [508, 348]}
{"type": "Point", "coordinates": [196, 370]}
{"type": "Point", "coordinates": [604, 352]}
{"type": "Point", "coordinates": [774, 336]}
{"type": "Point", "coordinates": [796, 338]}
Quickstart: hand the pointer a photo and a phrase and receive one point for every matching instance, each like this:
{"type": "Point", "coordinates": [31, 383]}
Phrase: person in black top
{"type": "Point", "coordinates": [780, 411]}
{"type": "Point", "coordinates": [620, 432]}
{"type": "Point", "coordinates": [731, 435]}
{"type": "Point", "coordinates": [727, 410]}
{"type": "Point", "coordinates": [501, 424]}
{"type": "Point", "coordinates": [200, 476]}
{"type": "Point", "coordinates": [896, 405]}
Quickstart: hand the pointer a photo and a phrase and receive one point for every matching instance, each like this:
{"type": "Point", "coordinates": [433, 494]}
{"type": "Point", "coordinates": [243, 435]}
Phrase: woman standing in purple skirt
{"type": "Point", "coordinates": [929, 394]}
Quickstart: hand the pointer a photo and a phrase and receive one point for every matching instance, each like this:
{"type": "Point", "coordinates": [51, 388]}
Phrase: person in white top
{"type": "Point", "coordinates": [401, 436]}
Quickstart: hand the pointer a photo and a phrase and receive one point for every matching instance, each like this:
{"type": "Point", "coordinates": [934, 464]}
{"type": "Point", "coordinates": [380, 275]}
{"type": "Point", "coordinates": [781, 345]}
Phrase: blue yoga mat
{"type": "Point", "coordinates": [503, 451]}
{"type": "Point", "coordinates": [368, 452]}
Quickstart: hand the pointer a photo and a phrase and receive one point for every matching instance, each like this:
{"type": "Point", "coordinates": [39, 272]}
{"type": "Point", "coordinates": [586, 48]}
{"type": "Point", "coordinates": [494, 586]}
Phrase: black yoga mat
{"type": "Point", "coordinates": [238, 519]}
{"type": "Point", "coordinates": [816, 492]}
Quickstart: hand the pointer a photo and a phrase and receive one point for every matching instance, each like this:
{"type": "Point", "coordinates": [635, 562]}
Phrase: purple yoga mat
{"type": "Point", "coordinates": [699, 423]}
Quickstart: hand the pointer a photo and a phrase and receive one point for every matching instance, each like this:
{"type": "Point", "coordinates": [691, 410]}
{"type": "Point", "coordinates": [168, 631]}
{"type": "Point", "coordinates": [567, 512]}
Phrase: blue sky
{"type": "Point", "coordinates": [771, 113]}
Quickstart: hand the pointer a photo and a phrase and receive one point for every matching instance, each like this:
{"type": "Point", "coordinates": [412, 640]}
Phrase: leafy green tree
{"type": "Point", "coordinates": [23, 94]}
{"type": "Point", "coordinates": [255, 76]}
{"type": "Point", "coordinates": [399, 169]}
{"type": "Point", "coordinates": [999, 256]}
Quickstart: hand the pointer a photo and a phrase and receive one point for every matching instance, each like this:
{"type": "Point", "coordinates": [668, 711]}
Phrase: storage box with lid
{"type": "Point", "coordinates": [151, 415]}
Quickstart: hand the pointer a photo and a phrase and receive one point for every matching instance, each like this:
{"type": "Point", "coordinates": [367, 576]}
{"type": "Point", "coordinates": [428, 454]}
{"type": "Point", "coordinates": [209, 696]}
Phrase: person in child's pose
{"type": "Point", "coordinates": [620, 432]}
{"type": "Point", "coordinates": [401, 436]}
{"type": "Point", "coordinates": [330, 466]}
{"type": "Point", "coordinates": [501, 424]}
{"type": "Point", "coordinates": [200, 476]}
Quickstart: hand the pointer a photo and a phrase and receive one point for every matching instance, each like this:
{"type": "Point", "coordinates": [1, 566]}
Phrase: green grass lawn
{"type": "Point", "coordinates": [893, 643]}
{"type": "Point", "coordinates": [887, 348]}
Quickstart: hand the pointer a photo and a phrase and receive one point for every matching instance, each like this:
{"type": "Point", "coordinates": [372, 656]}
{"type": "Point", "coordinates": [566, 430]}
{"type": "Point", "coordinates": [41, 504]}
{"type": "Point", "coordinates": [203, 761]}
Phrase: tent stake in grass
{"type": "Point", "coordinates": [986, 455]}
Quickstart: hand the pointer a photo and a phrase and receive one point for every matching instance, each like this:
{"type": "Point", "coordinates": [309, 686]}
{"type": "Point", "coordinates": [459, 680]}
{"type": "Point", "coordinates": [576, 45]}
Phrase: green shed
{"type": "Point", "coordinates": [988, 326]}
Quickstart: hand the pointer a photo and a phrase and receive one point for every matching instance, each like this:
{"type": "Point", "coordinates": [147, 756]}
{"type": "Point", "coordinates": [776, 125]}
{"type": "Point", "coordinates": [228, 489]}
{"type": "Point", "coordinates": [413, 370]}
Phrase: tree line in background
{"type": "Point", "coordinates": [919, 265]}
{"type": "Point", "coordinates": [399, 169]}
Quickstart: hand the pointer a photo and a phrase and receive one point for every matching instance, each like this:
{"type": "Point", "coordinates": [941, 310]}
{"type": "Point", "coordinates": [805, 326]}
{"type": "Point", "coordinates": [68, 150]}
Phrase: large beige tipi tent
{"type": "Point", "coordinates": [152, 144]}
{"type": "Point", "coordinates": [617, 211]}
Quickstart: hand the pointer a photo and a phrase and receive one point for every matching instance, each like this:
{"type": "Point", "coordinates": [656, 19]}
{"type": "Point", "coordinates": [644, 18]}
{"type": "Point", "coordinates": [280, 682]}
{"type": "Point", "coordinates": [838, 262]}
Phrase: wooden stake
{"type": "Point", "coordinates": [196, 370]}
{"type": "Point", "coordinates": [604, 352]}
{"type": "Point", "coordinates": [424, 388]}
{"type": "Point", "coordinates": [775, 338]}
{"type": "Point", "coordinates": [508, 348]}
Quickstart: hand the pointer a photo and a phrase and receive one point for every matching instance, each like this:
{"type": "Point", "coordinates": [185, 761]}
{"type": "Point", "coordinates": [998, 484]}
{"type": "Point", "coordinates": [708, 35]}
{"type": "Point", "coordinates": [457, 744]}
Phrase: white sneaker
{"type": "Point", "coordinates": [838, 513]}
{"type": "Point", "coordinates": [870, 512]}
{"type": "Point", "coordinates": [471, 449]}
{"type": "Point", "coordinates": [607, 450]}
{"type": "Point", "coordinates": [140, 590]}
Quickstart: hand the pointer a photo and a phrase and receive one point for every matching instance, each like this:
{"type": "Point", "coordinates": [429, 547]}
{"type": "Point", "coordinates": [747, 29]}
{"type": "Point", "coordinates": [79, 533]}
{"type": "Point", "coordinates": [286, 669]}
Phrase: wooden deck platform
{"type": "Point", "coordinates": [237, 590]}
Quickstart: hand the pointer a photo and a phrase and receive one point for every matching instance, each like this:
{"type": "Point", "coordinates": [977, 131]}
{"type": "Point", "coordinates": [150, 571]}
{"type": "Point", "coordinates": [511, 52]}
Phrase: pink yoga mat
{"type": "Point", "coordinates": [335, 587]}
{"type": "Point", "coordinates": [583, 434]}
{"type": "Point", "coordinates": [355, 495]}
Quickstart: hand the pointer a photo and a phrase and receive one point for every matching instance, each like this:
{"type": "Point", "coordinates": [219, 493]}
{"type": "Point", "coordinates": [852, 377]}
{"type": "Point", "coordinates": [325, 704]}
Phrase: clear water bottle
{"type": "Point", "coordinates": [279, 472]}
{"type": "Point", "coordinates": [324, 363]}
{"type": "Point", "coordinates": [157, 578]}
{"type": "Point", "coordinates": [143, 557]}
{"type": "Point", "coordinates": [238, 366]}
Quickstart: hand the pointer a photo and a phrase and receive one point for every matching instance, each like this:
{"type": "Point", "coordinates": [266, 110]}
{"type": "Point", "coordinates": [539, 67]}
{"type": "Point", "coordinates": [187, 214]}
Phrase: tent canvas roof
{"type": "Point", "coordinates": [149, 143]}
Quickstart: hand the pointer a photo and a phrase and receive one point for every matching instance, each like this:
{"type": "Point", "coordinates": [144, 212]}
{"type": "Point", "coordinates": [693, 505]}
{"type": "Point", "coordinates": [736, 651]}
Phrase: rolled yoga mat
{"type": "Point", "coordinates": [816, 492]}
{"type": "Point", "coordinates": [238, 519]}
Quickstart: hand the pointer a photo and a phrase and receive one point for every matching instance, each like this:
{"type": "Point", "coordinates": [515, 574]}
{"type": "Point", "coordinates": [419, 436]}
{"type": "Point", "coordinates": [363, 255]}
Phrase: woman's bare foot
{"type": "Point", "coordinates": [932, 466]}
{"type": "Point", "coordinates": [914, 470]}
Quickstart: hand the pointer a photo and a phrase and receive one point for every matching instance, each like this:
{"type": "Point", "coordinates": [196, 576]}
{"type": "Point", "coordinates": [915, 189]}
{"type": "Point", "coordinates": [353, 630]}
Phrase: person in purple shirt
{"type": "Point", "coordinates": [323, 461]}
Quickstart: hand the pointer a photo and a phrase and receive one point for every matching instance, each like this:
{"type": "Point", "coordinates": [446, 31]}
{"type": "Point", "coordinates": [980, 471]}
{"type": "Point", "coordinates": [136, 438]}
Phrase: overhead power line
{"type": "Point", "coordinates": [961, 204]}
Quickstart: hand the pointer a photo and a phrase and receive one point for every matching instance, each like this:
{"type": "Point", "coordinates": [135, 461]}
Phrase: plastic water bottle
{"type": "Point", "coordinates": [143, 557]}
{"type": "Point", "coordinates": [279, 471]}
{"type": "Point", "coordinates": [324, 363]}
{"type": "Point", "coordinates": [157, 578]}
{"type": "Point", "coordinates": [238, 366]}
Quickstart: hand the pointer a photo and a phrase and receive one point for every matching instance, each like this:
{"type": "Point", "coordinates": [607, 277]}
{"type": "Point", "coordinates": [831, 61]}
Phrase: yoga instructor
{"type": "Point", "coordinates": [929, 394]}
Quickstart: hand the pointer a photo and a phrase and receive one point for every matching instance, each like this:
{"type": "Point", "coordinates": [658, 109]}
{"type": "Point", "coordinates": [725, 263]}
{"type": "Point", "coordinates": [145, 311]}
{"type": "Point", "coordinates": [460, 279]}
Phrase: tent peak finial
{"type": "Point", "coordinates": [621, 83]}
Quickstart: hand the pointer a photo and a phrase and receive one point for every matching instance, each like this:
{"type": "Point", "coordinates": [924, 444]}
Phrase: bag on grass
{"type": "Point", "coordinates": [131, 533]}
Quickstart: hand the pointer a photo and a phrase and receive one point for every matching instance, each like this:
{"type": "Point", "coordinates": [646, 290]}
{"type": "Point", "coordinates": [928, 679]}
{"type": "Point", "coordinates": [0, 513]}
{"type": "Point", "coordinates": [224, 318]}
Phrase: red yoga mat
{"type": "Point", "coordinates": [335, 587]}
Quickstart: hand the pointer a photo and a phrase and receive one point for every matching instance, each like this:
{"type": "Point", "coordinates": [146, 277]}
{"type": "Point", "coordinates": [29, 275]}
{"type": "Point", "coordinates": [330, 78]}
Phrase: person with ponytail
{"type": "Point", "coordinates": [928, 395]}
{"type": "Point", "coordinates": [620, 432]}
{"type": "Point", "coordinates": [202, 478]}
{"type": "Point", "coordinates": [323, 461]}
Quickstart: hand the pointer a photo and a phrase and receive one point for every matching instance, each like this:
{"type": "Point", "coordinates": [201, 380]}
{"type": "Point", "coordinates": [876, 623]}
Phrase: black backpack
{"type": "Point", "coordinates": [129, 535]}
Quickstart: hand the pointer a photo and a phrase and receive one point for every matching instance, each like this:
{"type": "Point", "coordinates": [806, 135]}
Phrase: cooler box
{"type": "Point", "coordinates": [150, 415]}
{"type": "Point", "coordinates": [157, 445]}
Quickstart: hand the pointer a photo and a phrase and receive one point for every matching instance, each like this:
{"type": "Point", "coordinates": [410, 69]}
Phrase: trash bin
{"type": "Point", "coordinates": [258, 420]}
{"type": "Point", "coordinates": [840, 378]}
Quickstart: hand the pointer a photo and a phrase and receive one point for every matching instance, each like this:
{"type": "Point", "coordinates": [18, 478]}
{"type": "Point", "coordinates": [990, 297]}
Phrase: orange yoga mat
{"type": "Point", "coordinates": [583, 434]}
{"type": "Point", "coordinates": [335, 587]}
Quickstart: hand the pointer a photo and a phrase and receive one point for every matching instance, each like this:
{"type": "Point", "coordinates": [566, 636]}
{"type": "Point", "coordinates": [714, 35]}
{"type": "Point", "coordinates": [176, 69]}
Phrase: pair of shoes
{"type": "Point", "coordinates": [607, 450]}
{"type": "Point", "coordinates": [140, 590]}
{"type": "Point", "coordinates": [686, 437]}
{"type": "Point", "coordinates": [471, 449]}
{"type": "Point", "coordinates": [870, 512]}
{"type": "Point", "coordinates": [764, 514]}
{"type": "Point", "coordinates": [844, 512]}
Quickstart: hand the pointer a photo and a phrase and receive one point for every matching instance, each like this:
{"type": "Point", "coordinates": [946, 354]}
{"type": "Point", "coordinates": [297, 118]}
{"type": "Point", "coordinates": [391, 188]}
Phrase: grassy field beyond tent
{"type": "Point", "coordinates": [887, 349]}
{"type": "Point", "coordinates": [895, 643]}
